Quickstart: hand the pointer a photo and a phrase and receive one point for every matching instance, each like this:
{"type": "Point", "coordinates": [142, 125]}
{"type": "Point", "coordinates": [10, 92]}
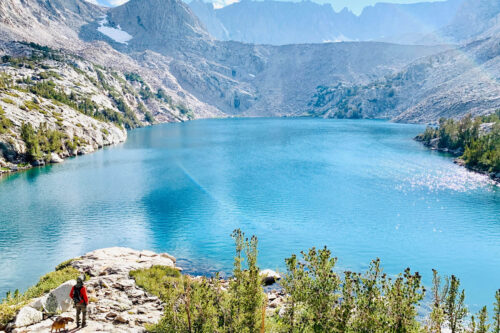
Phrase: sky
{"type": "Point", "coordinates": [355, 6]}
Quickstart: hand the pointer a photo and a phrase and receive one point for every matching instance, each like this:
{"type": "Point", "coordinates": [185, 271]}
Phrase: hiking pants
{"type": "Point", "coordinates": [81, 308]}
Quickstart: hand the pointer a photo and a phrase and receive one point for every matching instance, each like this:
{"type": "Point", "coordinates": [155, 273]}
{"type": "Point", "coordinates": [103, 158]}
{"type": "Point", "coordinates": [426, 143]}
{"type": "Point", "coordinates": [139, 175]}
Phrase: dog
{"type": "Point", "coordinates": [60, 324]}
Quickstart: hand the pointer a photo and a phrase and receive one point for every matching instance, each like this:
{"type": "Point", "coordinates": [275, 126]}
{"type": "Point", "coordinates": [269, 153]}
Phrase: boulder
{"type": "Point", "coordinates": [55, 158]}
{"type": "Point", "coordinates": [434, 143]}
{"type": "Point", "coordinates": [269, 276]}
{"type": "Point", "coordinates": [28, 316]}
{"type": "Point", "coordinates": [57, 300]}
{"type": "Point", "coordinates": [38, 163]}
{"type": "Point", "coordinates": [122, 318]}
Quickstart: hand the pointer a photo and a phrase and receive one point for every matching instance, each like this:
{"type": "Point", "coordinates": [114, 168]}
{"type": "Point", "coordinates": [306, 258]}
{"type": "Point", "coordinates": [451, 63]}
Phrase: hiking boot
{"type": "Point", "coordinates": [77, 324]}
{"type": "Point", "coordinates": [84, 324]}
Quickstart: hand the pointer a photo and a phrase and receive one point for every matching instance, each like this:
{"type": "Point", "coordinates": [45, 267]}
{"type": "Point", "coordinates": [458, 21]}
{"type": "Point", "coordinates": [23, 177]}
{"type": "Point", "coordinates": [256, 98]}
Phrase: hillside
{"type": "Point", "coordinates": [449, 84]}
{"type": "Point", "coordinates": [54, 105]}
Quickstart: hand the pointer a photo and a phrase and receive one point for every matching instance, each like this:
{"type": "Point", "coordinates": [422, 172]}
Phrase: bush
{"type": "Point", "coordinates": [42, 140]}
{"type": "Point", "coordinates": [5, 123]}
{"type": "Point", "coordinates": [148, 116]}
{"type": "Point", "coordinates": [30, 105]}
{"type": "Point", "coordinates": [50, 281]}
{"type": "Point", "coordinates": [201, 305]}
{"type": "Point", "coordinates": [134, 77]}
{"type": "Point", "coordinates": [65, 264]}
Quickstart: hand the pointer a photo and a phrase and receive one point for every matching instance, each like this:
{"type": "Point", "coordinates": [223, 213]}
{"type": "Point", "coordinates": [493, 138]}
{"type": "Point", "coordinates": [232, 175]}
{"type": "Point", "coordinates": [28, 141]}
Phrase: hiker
{"type": "Point", "coordinates": [79, 295]}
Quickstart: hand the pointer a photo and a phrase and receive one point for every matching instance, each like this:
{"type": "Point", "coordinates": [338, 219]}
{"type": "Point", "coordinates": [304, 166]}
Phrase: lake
{"type": "Point", "coordinates": [364, 188]}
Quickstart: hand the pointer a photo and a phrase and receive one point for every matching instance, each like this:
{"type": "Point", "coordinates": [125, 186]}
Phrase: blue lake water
{"type": "Point", "coordinates": [363, 188]}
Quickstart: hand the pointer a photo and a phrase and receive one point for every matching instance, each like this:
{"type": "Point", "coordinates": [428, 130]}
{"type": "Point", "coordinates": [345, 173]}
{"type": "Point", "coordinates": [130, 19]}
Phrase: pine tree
{"type": "Point", "coordinates": [455, 309]}
{"type": "Point", "coordinates": [496, 313]}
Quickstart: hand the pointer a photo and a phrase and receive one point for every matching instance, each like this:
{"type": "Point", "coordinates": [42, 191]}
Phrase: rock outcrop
{"type": "Point", "coordinates": [116, 303]}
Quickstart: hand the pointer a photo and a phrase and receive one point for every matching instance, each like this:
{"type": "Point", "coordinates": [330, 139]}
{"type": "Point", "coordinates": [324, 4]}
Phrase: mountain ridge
{"type": "Point", "coordinates": [283, 22]}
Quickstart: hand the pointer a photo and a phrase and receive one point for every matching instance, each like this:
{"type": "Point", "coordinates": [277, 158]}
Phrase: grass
{"type": "Point", "coordinates": [156, 280]}
{"type": "Point", "coordinates": [65, 264]}
{"type": "Point", "coordinates": [30, 105]}
{"type": "Point", "coordinates": [13, 302]}
{"type": "Point", "coordinates": [12, 94]}
{"type": "Point", "coordinates": [8, 101]}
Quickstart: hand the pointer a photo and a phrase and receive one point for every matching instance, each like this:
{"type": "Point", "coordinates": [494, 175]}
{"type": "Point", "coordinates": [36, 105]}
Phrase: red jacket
{"type": "Point", "coordinates": [83, 293]}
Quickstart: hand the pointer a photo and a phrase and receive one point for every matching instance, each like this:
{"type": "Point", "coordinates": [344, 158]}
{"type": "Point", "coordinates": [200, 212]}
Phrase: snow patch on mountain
{"type": "Point", "coordinates": [116, 34]}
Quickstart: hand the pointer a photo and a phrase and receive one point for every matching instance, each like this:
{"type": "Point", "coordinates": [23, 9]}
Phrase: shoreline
{"type": "Point", "coordinates": [12, 168]}
{"type": "Point", "coordinates": [56, 158]}
{"type": "Point", "coordinates": [495, 177]}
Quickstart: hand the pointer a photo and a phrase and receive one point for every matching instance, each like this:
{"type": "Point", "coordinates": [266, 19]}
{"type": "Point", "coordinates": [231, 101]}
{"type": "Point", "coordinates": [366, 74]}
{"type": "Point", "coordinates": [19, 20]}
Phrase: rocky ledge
{"type": "Point", "coordinates": [116, 303]}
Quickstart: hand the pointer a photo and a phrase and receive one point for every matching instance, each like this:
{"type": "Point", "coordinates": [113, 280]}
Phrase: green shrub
{"type": "Point", "coordinates": [201, 305]}
{"type": "Point", "coordinates": [319, 299]}
{"type": "Point", "coordinates": [5, 123]}
{"type": "Point", "coordinates": [41, 141]}
{"type": "Point", "coordinates": [50, 281]}
{"type": "Point", "coordinates": [30, 105]}
{"type": "Point", "coordinates": [162, 95]}
{"type": "Point", "coordinates": [148, 116]}
{"type": "Point", "coordinates": [134, 77]}
{"type": "Point", "coordinates": [496, 313]}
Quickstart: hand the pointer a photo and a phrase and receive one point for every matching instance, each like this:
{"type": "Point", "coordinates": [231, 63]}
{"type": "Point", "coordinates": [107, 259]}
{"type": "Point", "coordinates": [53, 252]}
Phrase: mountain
{"type": "Point", "coordinates": [473, 19]}
{"type": "Point", "coordinates": [153, 61]}
{"type": "Point", "coordinates": [239, 78]}
{"type": "Point", "coordinates": [281, 22]}
{"type": "Point", "coordinates": [449, 84]}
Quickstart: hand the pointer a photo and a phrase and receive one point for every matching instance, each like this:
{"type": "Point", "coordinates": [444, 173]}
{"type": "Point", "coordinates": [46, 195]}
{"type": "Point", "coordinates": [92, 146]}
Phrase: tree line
{"type": "Point", "coordinates": [475, 140]}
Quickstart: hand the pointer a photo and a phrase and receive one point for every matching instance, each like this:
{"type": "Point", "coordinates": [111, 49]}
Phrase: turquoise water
{"type": "Point", "coordinates": [364, 188]}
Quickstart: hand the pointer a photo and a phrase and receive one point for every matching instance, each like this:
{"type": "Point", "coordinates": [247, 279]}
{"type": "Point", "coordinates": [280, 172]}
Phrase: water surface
{"type": "Point", "coordinates": [364, 188]}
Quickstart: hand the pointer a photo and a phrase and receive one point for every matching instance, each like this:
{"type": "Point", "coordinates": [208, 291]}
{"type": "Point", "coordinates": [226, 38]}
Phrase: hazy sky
{"type": "Point", "coordinates": [355, 5]}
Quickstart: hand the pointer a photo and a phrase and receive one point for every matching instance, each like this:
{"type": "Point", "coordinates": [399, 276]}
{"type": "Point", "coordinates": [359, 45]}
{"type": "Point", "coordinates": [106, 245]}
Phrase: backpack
{"type": "Point", "coordinates": [77, 296]}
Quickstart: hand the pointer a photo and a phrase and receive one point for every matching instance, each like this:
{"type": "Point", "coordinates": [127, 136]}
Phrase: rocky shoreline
{"type": "Point", "coordinates": [55, 158]}
{"type": "Point", "coordinates": [457, 160]}
{"type": "Point", "coordinates": [116, 302]}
